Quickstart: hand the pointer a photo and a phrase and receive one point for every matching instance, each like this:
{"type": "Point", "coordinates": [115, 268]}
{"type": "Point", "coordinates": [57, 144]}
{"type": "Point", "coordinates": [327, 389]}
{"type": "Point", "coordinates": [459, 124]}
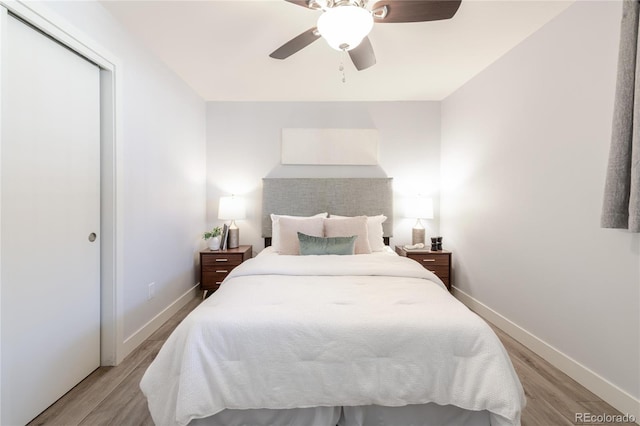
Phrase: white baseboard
{"type": "Point", "coordinates": [144, 332]}
{"type": "Point", "coordinates": [616, 397]}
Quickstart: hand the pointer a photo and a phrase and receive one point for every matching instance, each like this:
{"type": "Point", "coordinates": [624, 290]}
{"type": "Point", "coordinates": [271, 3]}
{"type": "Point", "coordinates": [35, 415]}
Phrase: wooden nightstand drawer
{"type": "Point", "coordinates": [438, 262]}
{"type": "Point", "coordinates": [429, 260]}
{"type": "Point", "coordinates": [213, 278]}
{"type": "Point", "coordinates": [217, 260]}
{"type": "Point", "coordinates": [442, 271]}
{"type": "Point", "coordinates": [220, 269]}
{"type": "Point", "coordinates": [216, 265]}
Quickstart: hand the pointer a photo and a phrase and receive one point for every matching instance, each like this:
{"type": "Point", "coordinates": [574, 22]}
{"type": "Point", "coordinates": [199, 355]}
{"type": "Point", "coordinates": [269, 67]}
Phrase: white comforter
{"type": "Point", "coordinates": [303, 331]}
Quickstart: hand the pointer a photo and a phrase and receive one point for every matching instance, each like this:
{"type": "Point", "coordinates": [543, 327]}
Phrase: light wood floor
{"type": "Point", "coordinates": [111, 395]}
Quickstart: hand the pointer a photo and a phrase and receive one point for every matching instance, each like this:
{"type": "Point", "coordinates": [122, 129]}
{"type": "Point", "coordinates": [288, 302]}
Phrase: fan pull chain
{"type": "Point", "coordinates": [341, 67]}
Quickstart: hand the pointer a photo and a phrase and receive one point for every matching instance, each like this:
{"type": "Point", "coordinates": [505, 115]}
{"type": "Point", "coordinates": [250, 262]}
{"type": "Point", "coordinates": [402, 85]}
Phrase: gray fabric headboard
{"type": "Point", "coordinates": [339, 196]}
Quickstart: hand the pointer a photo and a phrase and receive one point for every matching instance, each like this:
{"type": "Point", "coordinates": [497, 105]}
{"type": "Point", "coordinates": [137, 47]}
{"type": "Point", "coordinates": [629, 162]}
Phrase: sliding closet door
{"type": "Point", "coordinates": [50, 201]}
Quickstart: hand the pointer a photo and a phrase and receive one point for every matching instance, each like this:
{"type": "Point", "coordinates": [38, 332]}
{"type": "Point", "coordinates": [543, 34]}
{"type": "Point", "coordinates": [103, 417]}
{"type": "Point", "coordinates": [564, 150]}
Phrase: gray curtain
{"type": "Point", "coordinates": [621, 207]}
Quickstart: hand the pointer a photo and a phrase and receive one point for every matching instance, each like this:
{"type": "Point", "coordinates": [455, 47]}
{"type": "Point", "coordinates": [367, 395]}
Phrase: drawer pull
{"type": "Point", "coordinates": [431, 271]}
{"type": "Point", "coordinates": [221, 271]}
{"type": "Point", "coordinates": [218, 282]}
{"type": "Point", "coordinates": [222, 260]}
{"type": "Point", "coordinates": [428, 260]}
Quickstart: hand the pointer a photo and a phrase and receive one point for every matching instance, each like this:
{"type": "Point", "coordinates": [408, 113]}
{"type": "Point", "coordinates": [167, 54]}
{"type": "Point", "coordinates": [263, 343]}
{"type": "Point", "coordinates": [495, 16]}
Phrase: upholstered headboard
{"type": "Point", "coordinates": [339, 196]}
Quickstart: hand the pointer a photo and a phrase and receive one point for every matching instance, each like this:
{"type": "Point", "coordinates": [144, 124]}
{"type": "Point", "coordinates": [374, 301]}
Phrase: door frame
{"type": "Point", "coordinates": [111, 209]}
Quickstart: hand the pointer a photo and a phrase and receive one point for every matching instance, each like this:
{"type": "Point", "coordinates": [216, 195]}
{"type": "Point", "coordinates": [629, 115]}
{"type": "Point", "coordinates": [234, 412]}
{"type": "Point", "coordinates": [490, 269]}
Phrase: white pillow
{"type": "Point", "coordinates": [285, 232]}
{"type": "Point", "coordinates": [375, 231]}
{"type": "Point", "coordinates": [275, 226]}
{"type": "Point", "coordinates": [347, 227]}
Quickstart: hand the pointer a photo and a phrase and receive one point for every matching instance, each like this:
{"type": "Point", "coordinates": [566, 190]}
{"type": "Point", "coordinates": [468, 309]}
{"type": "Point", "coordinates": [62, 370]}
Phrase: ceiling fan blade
{"type": "Point", "coordinates": [296, 43]}
{"type": "Point", "coordinates": [417, 10]}
{"type": "Point", "coordinates": [303, 3]}
{"type": "Point", "coordinates": [363, 56]}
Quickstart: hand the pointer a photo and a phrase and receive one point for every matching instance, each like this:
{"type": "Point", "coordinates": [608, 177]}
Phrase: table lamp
{"type": "Point", "coordinates": [420, 208]}
{"type": "Point", "coordinates": [232, 208]}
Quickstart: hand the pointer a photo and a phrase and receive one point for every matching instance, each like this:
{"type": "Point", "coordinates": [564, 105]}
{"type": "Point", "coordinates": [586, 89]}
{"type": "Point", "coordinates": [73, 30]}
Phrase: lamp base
{"type": "Point", "coordinates": [417, 236]}
{"type": "Point", "coordinates": [234, 238]}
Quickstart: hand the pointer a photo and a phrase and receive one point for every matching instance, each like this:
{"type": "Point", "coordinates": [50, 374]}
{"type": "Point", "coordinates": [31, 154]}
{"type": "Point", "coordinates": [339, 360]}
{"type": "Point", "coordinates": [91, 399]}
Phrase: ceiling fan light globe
{"type": "Point", "coordinates": [344, 27]}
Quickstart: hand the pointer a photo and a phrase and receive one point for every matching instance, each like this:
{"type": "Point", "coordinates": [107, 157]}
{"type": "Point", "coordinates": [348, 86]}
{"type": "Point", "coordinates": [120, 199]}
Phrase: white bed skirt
{"type": "Point", "coordinates": [413, 415]}
{"type": "Point", "coordinates": [369, 415]}
{"type": "Point", "coordinates": [314, 416]}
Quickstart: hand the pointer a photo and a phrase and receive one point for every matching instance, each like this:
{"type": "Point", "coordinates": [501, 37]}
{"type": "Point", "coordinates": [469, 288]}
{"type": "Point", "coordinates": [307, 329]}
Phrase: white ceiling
{"type": "Point", "coordinates": [221, 48]}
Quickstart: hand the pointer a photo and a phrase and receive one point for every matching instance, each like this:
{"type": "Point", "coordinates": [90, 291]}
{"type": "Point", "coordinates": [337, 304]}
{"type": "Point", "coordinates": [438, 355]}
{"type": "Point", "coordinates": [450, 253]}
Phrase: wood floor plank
{"type": "Point", "coordinates": [125, 406]}
{"type": "Point", "coordinates": [559, 379]}
{"type": "Point", "coordinates": [539, 412]}
{"type": "Point", "coordinates": [543, 382]}
{"type": "Point", "coordinates": [112, 396]}
{"type": "Point", "coordinates": [76, 404]}
{"type": "Point", "coordinates": [539, 389]}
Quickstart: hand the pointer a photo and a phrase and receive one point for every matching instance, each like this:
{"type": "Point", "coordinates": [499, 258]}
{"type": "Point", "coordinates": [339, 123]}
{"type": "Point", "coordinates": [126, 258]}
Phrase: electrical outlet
{"type": "Point", "coordinates": [152, 291]}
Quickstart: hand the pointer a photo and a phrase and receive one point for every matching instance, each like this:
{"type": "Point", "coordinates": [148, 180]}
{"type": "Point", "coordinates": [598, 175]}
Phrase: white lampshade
{"type": "Point", "coordinates": [344, 27]}
{"type": "Point", "coordinates": [420, 208]}
{"type": "Point", "coordinates": [231, 208]}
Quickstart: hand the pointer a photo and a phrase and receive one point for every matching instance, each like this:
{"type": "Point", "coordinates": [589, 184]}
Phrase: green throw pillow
{"type": "Point", "coordinates": [310, 245]}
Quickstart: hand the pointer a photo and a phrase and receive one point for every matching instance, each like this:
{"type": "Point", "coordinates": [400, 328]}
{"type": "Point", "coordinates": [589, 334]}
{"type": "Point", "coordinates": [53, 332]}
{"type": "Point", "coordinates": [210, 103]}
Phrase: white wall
{"type": "Point", "coordinates": [243, 146]}
{"type": "Point", "coordinates": [524, 153]}
{"type": "Point", "coordinates": [524, 149]}
{"type": "Point", "coordinates": [162, 144]}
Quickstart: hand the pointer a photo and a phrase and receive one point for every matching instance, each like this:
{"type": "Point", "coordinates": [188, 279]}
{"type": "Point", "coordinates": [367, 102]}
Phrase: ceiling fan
{"type": "Point", "coordinates": [345, 24]}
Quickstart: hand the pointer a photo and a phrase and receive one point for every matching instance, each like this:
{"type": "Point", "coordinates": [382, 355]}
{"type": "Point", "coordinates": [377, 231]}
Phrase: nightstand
{"type": "Point", "coordinates": [215, 265]}
{"type": "Point", "coordinates": [438, 262]}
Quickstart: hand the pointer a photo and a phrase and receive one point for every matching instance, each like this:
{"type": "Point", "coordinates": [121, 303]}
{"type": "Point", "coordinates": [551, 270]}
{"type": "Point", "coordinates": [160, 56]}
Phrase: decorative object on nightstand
{"type": "Point", "coordinates": [420, 208]}
{"type": "Point", "coordinates": [438, 262]}
{"type": "Point", "coordinates": [216, 265]}
{"type": "Point", "coordinates": [224, 236]}
{"type": "Point", "coordinates": [232, 208]}
{"type": "Point", "coordinates": [436, 243]}
{"type": "Point", "coordinates": [213, 238]}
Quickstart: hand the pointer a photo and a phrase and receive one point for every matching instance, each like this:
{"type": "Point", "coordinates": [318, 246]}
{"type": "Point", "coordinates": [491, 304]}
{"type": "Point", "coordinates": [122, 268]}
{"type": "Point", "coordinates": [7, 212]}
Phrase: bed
{"type": "Point", "coordinates": [363, 339]}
